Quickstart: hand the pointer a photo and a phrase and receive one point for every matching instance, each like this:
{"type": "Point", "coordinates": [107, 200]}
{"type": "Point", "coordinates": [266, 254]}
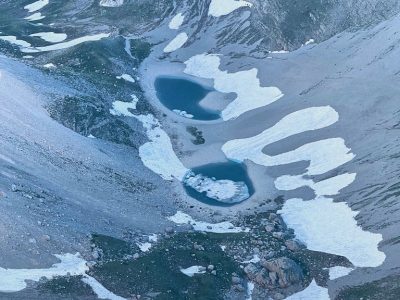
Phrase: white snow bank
{"type": "Point", "coordinates": [121, 108]}
{"type": "Point", "coordinates": [127, 77]}
{"type": "Point", "coordinates": [220, 8]}
{"type": "Point", "coordinates": [49, 66]}
{"type": "Point", "coordinates": [14, 280]}
{"type": "Point", "coordinates": [300, 121]}
{"type": "Point", "coordinates": [312, 292]}
{"type": "Point", "coordinates": [328, 226]}
{"type": "Point", "coordinates": [250, 289]}
{"type": "Point", "coordinates": [176, 22]}
{"type": "Point", "coordinates": [158, 154]}
{"type": "Point", "coordinates": [13, 40]}
{"type": "Point", "coordinates": [35, 17]}
{"type": "Point", "coordinates": [51, 37]}
{"type": "Point", "coordinates": [193, 270]}
{"type": "Point", "coordinates": [35, 6]}
{"type": "Point", "coordinates": [111, 3]}
{"type": "Point", "coordinates": [223, 227]}
{"type": "Point", "coordinates": [65, 45]}
{"type": "Point", "coordinates": [226, 191]}
{"type": "Point", "coordinates": [144, 247]}
{"type": "Point", "coordinates": [245, 84]}
{"type": "Point", "coordinates": [99, 289]}
{"type": "Point", "coordinates": [177, 42]}
{"type": "Point", "coordinates": [327, 187]}
{"type": "Point", "coordinates": [338, 271]}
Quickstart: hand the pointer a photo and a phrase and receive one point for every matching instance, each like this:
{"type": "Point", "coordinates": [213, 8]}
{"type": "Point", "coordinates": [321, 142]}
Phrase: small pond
{"type": "Point", "coordinates": [220, 184]}
{"type": "Point", "coordinates": [183, 96]}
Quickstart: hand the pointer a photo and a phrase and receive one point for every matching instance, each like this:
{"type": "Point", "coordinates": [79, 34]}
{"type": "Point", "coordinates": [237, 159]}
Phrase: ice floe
{"type": "Point", "coordinates": [183, 113]}
{"type": "Point", "coordinates": [158, 154]}
{"type": "Point", "coordinates": [245, 84]}
{"type": "Point", "coordinates": [177, 21]}
{"type": "Point", "coordinates": [35, 6]}
{"type": "Point", "coordinates": [193, 270]}
{"type": "Point", "coordinates": [127, 77]}
{"type": "Point", "coordinates": [177, 42]}
{"type": "Point", "coordinates": [220, 8]}
{"type": "Point", "coordinates": [49, 66]}
{"type": "Point", "coordinates": [111, 3]}
{"type": "Point", "coordinates": [222, 227]}
{"type": "Point", "coordinates": [312, 292]}
{"type": "Point", "coordinates": [51, 37]}
{"type": "Point", "coordinates": [225, 191]}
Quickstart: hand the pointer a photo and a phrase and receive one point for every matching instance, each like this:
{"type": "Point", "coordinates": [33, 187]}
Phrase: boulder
{"type": "Point", "coordinates": [288, 272]}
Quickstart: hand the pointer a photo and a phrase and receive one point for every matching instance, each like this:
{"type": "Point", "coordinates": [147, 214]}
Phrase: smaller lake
{"type": "Point", "coordinates": [183, 97]}
{"type": "Point", "coordinates": [216, 182]}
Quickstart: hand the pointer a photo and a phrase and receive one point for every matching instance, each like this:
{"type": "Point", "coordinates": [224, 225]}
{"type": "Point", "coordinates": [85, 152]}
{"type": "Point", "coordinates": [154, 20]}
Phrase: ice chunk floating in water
{"type": "Point", "coordinates": [180, 94]}
{"type": "Point", "coordinates": [219, 184]}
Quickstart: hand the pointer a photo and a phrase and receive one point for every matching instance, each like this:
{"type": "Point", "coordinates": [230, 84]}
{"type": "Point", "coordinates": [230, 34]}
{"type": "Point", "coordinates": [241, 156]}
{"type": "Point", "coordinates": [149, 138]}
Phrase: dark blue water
{"type": "Point", "coordinates": [229, 170]}
{"type": "Point", "coordinates": [184, 95]}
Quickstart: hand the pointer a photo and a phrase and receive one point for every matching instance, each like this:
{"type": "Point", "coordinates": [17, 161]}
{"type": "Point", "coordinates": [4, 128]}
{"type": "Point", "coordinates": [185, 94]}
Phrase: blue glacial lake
{"type": "Point", "coordinates": [219, 171]}
{"type": "Point", "coordinates": [183, 95]}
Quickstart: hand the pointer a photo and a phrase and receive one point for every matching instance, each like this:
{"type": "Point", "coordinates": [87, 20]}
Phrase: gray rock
{"type": "Point", "coordinates": [287, 270]}
{"type": "Point", "coordinates": [236, 280]}
{"type": "Point", "coordinates": [169, 230]}
{"type": "Point", "coordinates": [293, 245]}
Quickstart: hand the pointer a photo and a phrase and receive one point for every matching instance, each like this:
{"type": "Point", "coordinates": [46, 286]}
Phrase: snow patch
{"type": "Point", "coordinates": [158, 154]}
{"type": "Point", "coordinates": [144, 247]}
{"type": "Point", "coordinates": [49, 66]}
{"type": "Point", "coordinates": [193, 270]}
{"type": "Point", "coordinates": [50, 37]}
{"type": "Point", "coordinates": [35, 17]}
{"type": "Point", "coordinates": [13, 40]}
{"type": "Point", "coordinates": [245, 84]}
{"type": "Point", "coordinates": [121, 108]}
{"type": "Point", "coordinates": [222, 227]}
{"type": "Point", "coordinates": [177, 42]}
{"type": "Point", "coordinates": [176, 22]}
{"type": "Point", "coordinates": [336, 272]}
{"type": "Point", "coordinates": [127, 77]}
{"type": "Point", "coordinates": [308, 119]}
{"type": "Point", "coordinates": [220, 8]}
{"type": "Point", "coordinates": [328, 226]}
{"type": "Point", "coordinates": [35, 6]}
{"type": "Point", "coordinates": [65, 45]}
{"type": "Point", "coordinates": [99, 289]}
{"type": "Point", "coordinates": [313, 291]}
{"type": "Point", "coordinates": [111, 3]}
{"type": "Point", "coordinates": [14, 280]}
